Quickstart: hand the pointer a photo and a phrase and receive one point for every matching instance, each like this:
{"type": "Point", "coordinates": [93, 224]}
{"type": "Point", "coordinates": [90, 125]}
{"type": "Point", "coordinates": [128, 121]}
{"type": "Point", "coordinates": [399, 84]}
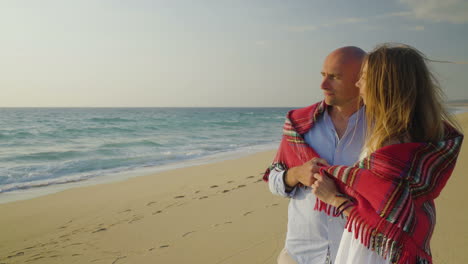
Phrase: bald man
{"type": "Point", "coordinates": [337, 136]}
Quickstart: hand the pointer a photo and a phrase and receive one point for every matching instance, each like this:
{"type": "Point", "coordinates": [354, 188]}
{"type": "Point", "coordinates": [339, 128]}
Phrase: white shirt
{"type": "Point", "coordinates": [312, 235]}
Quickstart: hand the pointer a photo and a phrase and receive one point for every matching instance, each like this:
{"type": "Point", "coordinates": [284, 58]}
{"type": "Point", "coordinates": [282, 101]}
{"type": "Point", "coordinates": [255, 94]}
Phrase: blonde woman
{"type": "Point", "coordinates": [409, 154]}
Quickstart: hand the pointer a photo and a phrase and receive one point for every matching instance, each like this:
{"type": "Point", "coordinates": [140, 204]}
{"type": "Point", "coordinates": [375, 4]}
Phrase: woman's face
{"type": "Point", "coordinates": [361, 83]}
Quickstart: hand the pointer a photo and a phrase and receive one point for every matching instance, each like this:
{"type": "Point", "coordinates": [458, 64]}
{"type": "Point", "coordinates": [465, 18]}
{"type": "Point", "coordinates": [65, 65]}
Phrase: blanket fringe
{"type": "Point", "coordinates": [382, 238]}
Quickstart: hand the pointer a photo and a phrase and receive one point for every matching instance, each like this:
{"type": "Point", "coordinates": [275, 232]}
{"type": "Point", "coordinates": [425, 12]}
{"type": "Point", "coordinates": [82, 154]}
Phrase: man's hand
{"type": "Point", "coordinates": [325, 189]}
{"type": "Point", "coordinates": [304, 173]}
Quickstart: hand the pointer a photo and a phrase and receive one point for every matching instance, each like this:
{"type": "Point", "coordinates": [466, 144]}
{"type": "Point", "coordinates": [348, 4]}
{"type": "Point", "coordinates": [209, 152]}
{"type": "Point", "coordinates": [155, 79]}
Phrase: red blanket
{"type": "Point", "coordinates": [394, 188]}
{"type": "Point", "coordinates": [293, 151]}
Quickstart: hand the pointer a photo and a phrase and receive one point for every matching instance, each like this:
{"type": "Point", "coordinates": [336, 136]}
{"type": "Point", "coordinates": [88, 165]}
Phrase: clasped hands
{"type": "Point", "coordinates": [308, 174]}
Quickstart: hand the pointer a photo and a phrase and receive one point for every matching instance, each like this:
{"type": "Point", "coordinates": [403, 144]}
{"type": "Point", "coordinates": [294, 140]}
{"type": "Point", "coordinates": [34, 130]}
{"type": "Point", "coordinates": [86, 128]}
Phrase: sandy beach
{"type": "Point", "coordinates": [214, 213]}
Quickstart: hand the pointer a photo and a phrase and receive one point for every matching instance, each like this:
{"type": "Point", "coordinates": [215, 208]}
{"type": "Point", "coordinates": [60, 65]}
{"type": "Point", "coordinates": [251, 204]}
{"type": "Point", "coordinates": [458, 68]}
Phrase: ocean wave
{"type": "Point", "coordinates": [226, 123]}
{"type": "Point", "coordinates": [140, 143]}
{"type": "Point", "coordinates": [16, 135]}
{"type": "Point", "coordinates": [45, 156]}
{"type": "Point", "coordinates": [41, 183]}
{"type": "Point", "coordinates": [95, 130]}
{"type": "Point", "coordinates": [110, 120]}
{"type": "Point", "coordinates": [215, 148]}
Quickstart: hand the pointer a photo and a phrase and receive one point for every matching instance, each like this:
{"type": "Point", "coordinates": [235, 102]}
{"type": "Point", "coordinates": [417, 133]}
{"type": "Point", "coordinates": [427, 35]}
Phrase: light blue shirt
{"type": "Point", "coordinates": [312, 235]}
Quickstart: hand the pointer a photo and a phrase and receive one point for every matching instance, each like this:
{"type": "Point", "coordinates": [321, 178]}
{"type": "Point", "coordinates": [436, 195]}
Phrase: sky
{"type": "Point", "coordinates": [209, 53]}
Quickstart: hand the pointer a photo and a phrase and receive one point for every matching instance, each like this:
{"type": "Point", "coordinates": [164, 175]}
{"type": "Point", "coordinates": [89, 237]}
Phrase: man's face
{"type": "Point", "coordinates": [338, 80]}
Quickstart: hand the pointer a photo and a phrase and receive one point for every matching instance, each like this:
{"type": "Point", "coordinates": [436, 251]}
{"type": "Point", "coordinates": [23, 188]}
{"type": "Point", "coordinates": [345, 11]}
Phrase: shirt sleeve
{"type": "Point", "coordinates": [277, 185]}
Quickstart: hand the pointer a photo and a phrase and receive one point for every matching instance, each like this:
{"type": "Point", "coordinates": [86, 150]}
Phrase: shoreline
{"type": "Point", "coordinates": [118, 176]}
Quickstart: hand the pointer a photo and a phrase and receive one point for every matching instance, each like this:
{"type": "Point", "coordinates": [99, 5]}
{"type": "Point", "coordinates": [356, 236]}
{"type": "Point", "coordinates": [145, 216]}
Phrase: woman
{"type": "Point", "coordinates": [409, 154]}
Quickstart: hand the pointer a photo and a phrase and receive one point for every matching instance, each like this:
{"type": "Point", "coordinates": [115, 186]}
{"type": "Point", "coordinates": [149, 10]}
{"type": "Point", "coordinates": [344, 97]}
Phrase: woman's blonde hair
{"type": "Point", "coordinates": [403, 99]}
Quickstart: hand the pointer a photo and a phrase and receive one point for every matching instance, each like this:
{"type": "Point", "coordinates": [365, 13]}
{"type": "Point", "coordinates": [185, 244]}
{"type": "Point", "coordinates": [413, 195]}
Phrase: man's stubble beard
{"type": "Point", "coordinates": [330, 101]}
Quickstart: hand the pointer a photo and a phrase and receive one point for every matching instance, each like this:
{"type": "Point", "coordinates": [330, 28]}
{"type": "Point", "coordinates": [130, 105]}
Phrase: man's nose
{"type": "Point", "coordinates": [324, 85]}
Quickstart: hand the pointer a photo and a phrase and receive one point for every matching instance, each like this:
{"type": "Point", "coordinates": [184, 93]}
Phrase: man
{"type": "Point", "coordinates": [332, 131]}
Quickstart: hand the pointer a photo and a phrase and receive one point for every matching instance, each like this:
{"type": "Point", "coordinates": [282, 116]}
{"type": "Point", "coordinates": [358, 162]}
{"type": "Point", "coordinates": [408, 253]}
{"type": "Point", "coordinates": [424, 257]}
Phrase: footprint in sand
{"type": "Point", "coordinates": [74, 244]}
{"type": "Point", "coordinates": [214, 186]}
{"type": "Point", "coordinates": [34, 259]}
{"type": "Point", "coordinates": [99, 230]}
{"type": "Point", "coordinates": [135, 219]}
{"type": "Point", "coordinates": [197, 191]}
{"type": "Point", "coordinates": [225, 191]}
{"type": "Point", "coordinates": [150, 203]}
{"type": "Point", "coordinates": [241, 186]}
{"type": "Point", "coordinates": [247, 213]}
{"type": "Point", "coordinates": [188, 233]}
{"type": "Point", "coordinates": [178, 197]}
{"type": "Point", "coordinates": [250, 177]}
{"type": "Point", "coordinates": [230, 181]}
{"type": "Point", "coordinates": [157, 212]}
{"type": "Point", "coordinates": [260, 180]}
{"type": "Point", "coordinates": [164, 246]}
{"type": "Point", "coordinates": [203, 197]}
{"type": "Point", "coordinates": [29, 247]}
{"type": "Point", "coordinates": [170, 205]}
{"type": "Point", "coordinates": [117, 259]}
{"type": "Point", "coordinates": [16, 255]}
{"type": "Point", "coordinates": [227, 222]}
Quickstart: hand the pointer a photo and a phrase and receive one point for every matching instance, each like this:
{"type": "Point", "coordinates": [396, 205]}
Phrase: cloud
{"type": "Point", "coordinates": [452, 11]}
{"type": "Point", "coordinates": [393, 14]}
{"type": "Point", "coordinates": [415, 28]}
{"type": "Point", "coordinates": [371, 28]}
{"type": "Point", "coordinates": [302, 28]}
{"type": "Point", "coordinates": [342, 21]}
{"type": "Point", "coordinates": [383, 28]}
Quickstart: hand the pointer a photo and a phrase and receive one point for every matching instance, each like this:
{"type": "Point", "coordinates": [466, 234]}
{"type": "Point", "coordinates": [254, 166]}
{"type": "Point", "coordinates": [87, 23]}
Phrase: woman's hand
{"type": "Point", "coordinates": [325, 189]}
{"type": "Point", "coordinates": [304, 173]}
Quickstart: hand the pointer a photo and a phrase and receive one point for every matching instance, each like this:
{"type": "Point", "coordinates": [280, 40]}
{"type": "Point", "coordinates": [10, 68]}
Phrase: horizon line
{"type": "Point", "coordinates": [3, 107]}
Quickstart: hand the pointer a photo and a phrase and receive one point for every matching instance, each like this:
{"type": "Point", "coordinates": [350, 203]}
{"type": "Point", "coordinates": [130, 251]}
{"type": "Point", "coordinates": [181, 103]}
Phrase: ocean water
{"type": "Point", "coordinates": [50, 146]}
